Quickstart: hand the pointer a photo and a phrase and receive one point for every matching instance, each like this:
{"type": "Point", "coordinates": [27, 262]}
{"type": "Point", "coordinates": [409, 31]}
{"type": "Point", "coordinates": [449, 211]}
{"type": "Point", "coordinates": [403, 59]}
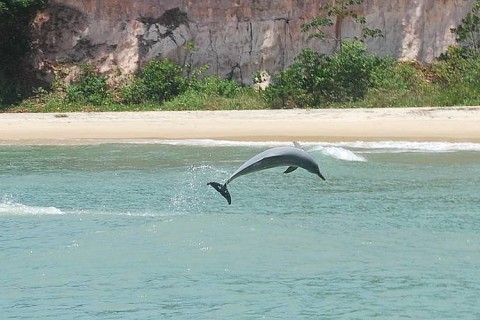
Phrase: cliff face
{"type": "Point", "coordinates": [234, 37]}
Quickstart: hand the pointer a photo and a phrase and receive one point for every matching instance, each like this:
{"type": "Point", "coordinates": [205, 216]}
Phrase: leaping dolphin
{"type": "Point", "coordinates": [274, 157]}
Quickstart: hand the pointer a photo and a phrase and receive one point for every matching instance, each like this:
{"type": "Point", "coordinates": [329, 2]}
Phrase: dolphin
{"type": "Point", "coordinates": [292, 157]}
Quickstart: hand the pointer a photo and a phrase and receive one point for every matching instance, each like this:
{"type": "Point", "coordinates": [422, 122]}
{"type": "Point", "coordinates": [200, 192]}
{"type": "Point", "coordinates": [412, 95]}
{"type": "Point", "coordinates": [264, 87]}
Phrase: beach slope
{"type": "Point", "coordinates": [459, 124]}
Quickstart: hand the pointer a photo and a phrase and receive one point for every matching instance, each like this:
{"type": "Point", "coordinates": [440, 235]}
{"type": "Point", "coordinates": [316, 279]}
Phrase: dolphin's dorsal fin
{"type": "Point", "coordinates": [290, 169]}
{"type": "Point", "coordinates": [297, 144]}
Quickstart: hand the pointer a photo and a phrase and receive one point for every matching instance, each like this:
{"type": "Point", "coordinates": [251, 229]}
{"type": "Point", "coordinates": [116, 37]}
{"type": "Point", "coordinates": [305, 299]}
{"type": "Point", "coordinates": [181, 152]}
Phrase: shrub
{"type": "Point", "coordinates": [214, 85]}
{"type": "Point", "coordinates": [243, 99]}
{"type": "Point", "coordinates": [398, 84]}
{"type": "Point", "coordinates": [315, 79]}
{"type": "Point", "coordinates": [159, 81]}
{"type": "Point", "coordinates": [286, 92]}
{"type": "Point", "coordinates": [133, 92]}
{"type": "Point", "coordinates": [458, 65]}
{"type": "Point", "coordinates": [299, 85]}
{"type": "Point", "coordinates": [347, 74]}
{"type": "Point", "coordinates": [164, 81]}
{"type": "Point", "coordinates": [458, 73]}
{"type": "Point", "coordinates": [89, 87]}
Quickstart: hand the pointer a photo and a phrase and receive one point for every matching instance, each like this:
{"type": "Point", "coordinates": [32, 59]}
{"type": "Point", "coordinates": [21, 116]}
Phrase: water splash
{"type": "Point", "coordinates": [8, 206]}
{"type": "Point", "coordinates": [190, 196]}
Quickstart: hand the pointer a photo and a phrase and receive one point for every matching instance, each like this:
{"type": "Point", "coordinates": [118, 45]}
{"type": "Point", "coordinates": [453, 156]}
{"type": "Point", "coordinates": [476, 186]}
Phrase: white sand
{"type": "Point", "coordinates": [460, 124]}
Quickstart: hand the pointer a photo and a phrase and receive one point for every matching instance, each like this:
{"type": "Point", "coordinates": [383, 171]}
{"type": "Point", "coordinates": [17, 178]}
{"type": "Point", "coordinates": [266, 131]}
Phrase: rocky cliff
{"type": "Point", "coordinates": [234, 37]}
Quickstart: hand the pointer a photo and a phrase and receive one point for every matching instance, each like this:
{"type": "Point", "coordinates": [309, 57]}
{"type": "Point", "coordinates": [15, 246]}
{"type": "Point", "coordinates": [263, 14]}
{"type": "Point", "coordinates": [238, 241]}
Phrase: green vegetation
{"type": "Point", "coordinates": [161, 85]}
{"type": "Point", "coordinates": [350, 77]}
{"type": "Point", "coordinates": [159, 81]}
{"type": "Point", "coordinates": [468, 32]}
{"type": "Point", "coordinates": [316, 79]}
{"type": "Point", "coordinates": [341, 10]}
{"type": "Point", "coordinates": [354, 78]}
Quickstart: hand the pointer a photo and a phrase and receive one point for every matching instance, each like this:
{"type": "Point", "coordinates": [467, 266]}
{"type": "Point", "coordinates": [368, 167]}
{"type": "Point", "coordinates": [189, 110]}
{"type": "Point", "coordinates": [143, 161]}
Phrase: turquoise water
{"type": "Point", "coordinates": [132, 231]}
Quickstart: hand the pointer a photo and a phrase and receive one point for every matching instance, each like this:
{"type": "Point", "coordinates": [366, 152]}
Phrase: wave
{"type": "Point", "coordinates": [358, 146]}
{"type": "Point", "coordinates": [215, 143]}
{"type": "Point", "coordinates": [346, 151]}
{"type": "Point", "coordinates": [384, 146]}
{"type": "Point", "coordinates": [339, 153]}
{"type": "Point", "coordinates": [410, 146]}
{"type": "Point", "coordinates": [334, 152]}
{"type": "Point", "coordinates": [361, 146]}
{"type": "Point", "coordinates": [10, 207]}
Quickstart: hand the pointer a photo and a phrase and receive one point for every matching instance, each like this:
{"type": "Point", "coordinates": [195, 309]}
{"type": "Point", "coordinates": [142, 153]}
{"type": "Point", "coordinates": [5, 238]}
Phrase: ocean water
{"type": "Point", "coordinates": [132, 231]}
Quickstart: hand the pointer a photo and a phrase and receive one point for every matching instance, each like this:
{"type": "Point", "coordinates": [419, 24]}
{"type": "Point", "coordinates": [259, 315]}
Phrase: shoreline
{"type": "Point", "coordinates": [442, 124]}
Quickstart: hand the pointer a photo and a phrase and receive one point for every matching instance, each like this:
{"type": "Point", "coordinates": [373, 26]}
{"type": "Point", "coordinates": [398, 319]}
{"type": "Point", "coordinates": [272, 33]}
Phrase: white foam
{"type": "Point", "coordinates": [339, 153]}
{"type": "Point", "coordinates": [144, 214]}
{"type": "Point", "coordinates": [9, 207]}
{"type": "Point", "coordinates": [367, 146]}
{"type": "Point", "coordinates": [411, 146]}
{"type": "Point", "coordinates": [217, 143]}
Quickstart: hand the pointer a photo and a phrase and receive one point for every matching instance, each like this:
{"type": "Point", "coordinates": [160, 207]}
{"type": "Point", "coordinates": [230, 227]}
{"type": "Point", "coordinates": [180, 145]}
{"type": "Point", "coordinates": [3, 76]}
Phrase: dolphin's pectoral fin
{"type": "Point", "coordinates": [290, 169]}
{"type": "Point", "coordinates": [222, 189]}
{"type": "Point", "coordinates": [320, 175]}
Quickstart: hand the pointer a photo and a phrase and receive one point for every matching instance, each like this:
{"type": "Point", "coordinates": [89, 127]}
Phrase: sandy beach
{"type": "Point", "coordinates": [459, 124]}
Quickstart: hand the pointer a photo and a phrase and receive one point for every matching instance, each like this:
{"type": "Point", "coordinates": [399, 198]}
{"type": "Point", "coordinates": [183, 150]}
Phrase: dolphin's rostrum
{"type": "Point", "coordinates": [274, 157]}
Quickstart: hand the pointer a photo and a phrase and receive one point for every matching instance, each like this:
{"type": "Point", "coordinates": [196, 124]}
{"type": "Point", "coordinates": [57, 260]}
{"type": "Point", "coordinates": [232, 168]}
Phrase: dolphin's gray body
{"type": "Point", "coordinates": [275, 157]}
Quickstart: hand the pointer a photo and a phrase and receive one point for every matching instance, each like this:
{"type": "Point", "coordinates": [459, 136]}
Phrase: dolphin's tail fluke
{"type": "Point", "coordinates": [222, 188]}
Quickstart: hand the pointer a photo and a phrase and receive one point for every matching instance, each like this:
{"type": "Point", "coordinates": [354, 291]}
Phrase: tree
{"type": "Point", "coordinates": [468, 32]}
{"type": "Point", "coordinates": [338, 10]}
{"type": "Point", "coordinates": [15, 21]}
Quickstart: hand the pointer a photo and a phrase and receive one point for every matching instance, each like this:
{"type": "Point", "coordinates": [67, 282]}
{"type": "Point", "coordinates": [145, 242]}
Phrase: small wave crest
{"type": "Point", "coordinates": [339, 153]}
{"type": "Point", "coordinates": [410, 146]}
{"type": "Point", "coordinates": [9, 207]}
